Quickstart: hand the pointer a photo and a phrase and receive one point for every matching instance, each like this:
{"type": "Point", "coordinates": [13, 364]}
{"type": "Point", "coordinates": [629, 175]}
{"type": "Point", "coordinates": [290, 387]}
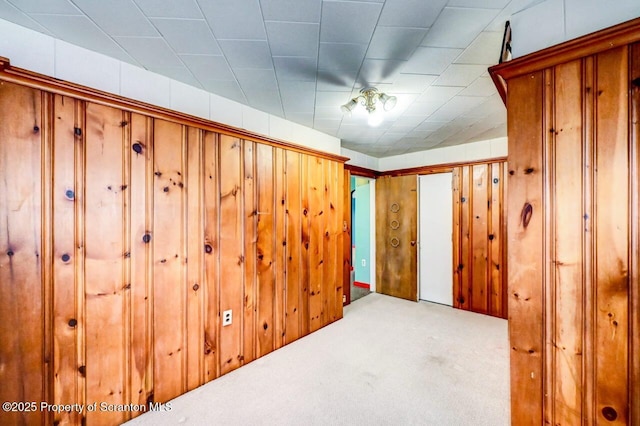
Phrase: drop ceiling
{"type": "Point", "coordinates": [302, 59]}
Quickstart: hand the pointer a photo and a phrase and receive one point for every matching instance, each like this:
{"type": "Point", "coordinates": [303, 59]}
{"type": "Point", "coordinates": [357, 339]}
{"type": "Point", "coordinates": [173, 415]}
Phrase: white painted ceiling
{"type": "Point", "coordinates": [302, 59]}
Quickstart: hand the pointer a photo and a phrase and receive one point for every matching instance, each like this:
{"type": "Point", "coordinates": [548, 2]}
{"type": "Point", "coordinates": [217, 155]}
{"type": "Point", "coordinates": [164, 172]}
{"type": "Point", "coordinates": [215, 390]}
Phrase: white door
{"type": "Point", "coordinates": [436, 245]}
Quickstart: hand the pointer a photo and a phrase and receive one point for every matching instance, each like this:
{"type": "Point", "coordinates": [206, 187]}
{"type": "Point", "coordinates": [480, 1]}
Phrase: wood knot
{"type": "Point", "coordinates": [36, 129]}
{"type": "Point", "coordinates": [208, 249]}
{"type": "Point", "coordinates": [66, 258]}
{"type": "Point", "coordinates": [528, 171]}
{"type": "Point", "coordinates": [165, 189]}
{"type": "Point", "coordinates": [146, 238]}
{"type": "Point", "coordinates": [137, 148]}
{"type": "Point", "coordinates": [72, 322]}
{"type": "Point", "coordinates": [196, 287]}
{"type": "Point", "coordinates": [69, 194]}
{"type": "Point", "coordinates": [609, 413]}
{"type": "Point", "coordinates": [525, 215]}
{"type": "Point", "coordinates": [82, 370]}
{"type": "Point", "coordinates": [10, 253]}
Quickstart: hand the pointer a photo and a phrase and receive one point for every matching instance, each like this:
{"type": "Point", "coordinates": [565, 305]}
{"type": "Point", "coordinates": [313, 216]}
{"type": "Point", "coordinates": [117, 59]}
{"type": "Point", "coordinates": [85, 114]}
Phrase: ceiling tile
{"type": "Point", "coordinates": [205, 67]}
{"type": "Point", "coordinates": [457, 27]}
{"type": "Point", "coordinates": [295, 68]}
{"type": "Point", "coordinates": [266, 100]}
{"type": "Point", "coordinates": [180, 73]}
{"type": "Point", "coordinates": [298, 96]}
{"type": "Point", "coordinates": [252, 79]}
{"type": "Point", "coordinates": [483, 86]}
{"type": "Point", "coordinates": [170, 9]}
{"type": "Point", "coordinates": [10, 13]}
{"type": "Point", "coordinates": [460, 75]}
{"type": "Point", "coordinates": [118, 17]}
{"type": "Point", "coordinates": [291, 10]}
{"type": "Point", "coordinates": [58, 7]}
{"type": "Point", "coordinates": [411, 13]}
{"type": "Point", "coordinates": [331, 99]}
{"type": "Point", "coordinates": [329, 112]}
{"type": "Point", "coordinates": [151, 52]}
{"type": "Point", "coordinates": [484, 4]}
{"type": "Point", "coordinates": [341, 56]}
{"type": "Point", "coordinates": [411, 83]}
{"type": "Point", "coordinates": [188, 36]}
{"type": "Point", "coordinates": [485, 50]}
{"type": "Point", "coordinates": [456, 107]}
{"type": "Point", "coordinates": [430, 60]}
{"type": "Point", "coordinates": [293, 38]}
{"type": "Point", "coordinates": [336, 80]}
{"type": "Point", "coordinates": [430, 126]}
{"type": "Point", "coordinates": [305, 119]}
{"type": "Point", "coordinates": [234, 19]}
{"type": "Point", "coordinates": [376, 71]}
{"type": "Point", "coordinates": [79, 30]}
{"type": "Point", "coordinates": [339, 23]}
{"type": "Point", "coordinates": [247, 53]}
{"type": "Point", "coordinates": [395, 42]}
{"type": "Point", "coordinates": [226, 89]}
{"type": "Point", "coordinates": [505, 14]}
{"type": "Point", "coordinates": [438, 95]}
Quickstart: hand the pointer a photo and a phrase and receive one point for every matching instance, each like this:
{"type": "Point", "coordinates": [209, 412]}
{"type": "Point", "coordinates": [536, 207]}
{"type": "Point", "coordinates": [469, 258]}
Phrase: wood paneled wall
{"type": "Point", "coordinates": [479, 238]}
{"type": "Point", "coordinates": [479, 234]}
{"type": "Point", "coordinates": [574, 229]}
{"type": "Point", "coordinates": [124, 237]}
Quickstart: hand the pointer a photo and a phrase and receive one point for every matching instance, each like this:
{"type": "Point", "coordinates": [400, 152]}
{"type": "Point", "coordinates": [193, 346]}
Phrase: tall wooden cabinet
{"type": "Point", "coordinates": [127, 230]}
{"type": "Point", "coordinates": [574, 230]}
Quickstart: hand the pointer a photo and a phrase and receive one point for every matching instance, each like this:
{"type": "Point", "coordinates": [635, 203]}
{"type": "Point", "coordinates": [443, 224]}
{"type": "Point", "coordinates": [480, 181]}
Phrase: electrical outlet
{"type": "Point", "coordinates": [364, 262]}
{"type": "Point", "coordinates": [227, 317]}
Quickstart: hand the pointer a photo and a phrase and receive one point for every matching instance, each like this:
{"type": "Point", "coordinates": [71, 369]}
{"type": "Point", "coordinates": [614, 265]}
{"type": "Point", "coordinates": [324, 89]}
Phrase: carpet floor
{"type": "Point", "coordinates": [387, 362]}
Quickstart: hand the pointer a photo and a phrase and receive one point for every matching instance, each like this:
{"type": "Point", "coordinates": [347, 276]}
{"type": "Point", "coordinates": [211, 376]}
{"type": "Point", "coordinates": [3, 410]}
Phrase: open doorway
{"type": "Point", "coordinates": [362, 236]}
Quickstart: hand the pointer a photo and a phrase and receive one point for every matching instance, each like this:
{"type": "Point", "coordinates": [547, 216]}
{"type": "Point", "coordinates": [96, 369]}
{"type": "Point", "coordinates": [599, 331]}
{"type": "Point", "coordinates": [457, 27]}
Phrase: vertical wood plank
{"type": "Point", "coordinates": [64, 260]}
{"type": "Point", "coordinates": [341, 236]}
{"type": "Point", "coordinates": [566, 191]}
{"type": "Point", "coordinates": [265, 249]}
{"type": "Point", "coordinates": [21, 321]}
{"type": "Point", "coordinates": [634, 264]}
{"type": "Point", "coordinates": [316, 240]}
{"type": "Point", "coordinates": [305, 236]}
{"type": "Point", "coordinates": [611, 237]}
{"type": "Point", "coordinates": [231, 251]}
{"type": "Point", "coordinates": [141, 213]}
{"type": "Point", "coordinates": [280, 239]}
{"type": "Point", "coordinates": [293, 248]}
{"type": "Point", "coordinates": [479, 287]}
{"type": "Point", "coordinates": [194, 211]}
{"type": "Point", "coordinates": [104, 253]}
{"type": "Point", "coordinates": [346, 236]}
{"type": "Point", "coordinates": [496, 236]}
{"type": "Point", "coordinates": [465, 265]}
{"type": "Point", "coordinates": [525, 230]}
{"type": "Point", "coordinates": [212, 256]}
{"type": "Point", "coordinates": [168, 238]}
{"type": "Point", "coordinates": [335, 250]}
{"type": "Point", "coordinates": [328, 249]}
{"type": "Point", "coordinates": [456, 178]}
{"type": "Point", "coordinates": [250, 239]}
{"type": "Point", "coordinates": [588, 286]}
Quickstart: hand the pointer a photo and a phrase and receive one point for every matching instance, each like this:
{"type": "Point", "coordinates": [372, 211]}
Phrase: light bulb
{"type": "Point", "coordinates": [375, 118]}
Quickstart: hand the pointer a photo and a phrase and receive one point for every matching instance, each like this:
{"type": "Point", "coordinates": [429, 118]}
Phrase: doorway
{"type": "Point", "coordinates": [362, 238]}
{"type": "Point", "coordinates": [436, 238]}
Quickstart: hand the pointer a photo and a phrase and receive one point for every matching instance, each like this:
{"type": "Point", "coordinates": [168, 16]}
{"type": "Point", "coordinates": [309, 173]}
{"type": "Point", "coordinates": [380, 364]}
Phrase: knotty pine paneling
{"type": "Point", "coordinates": [23, 354]}
{"type": "Point", "coordinates": [130, 237]}
{"type": "Point", "coordinates": [573, 231]}
{"type": "Point", "coordinates": [479, 238]}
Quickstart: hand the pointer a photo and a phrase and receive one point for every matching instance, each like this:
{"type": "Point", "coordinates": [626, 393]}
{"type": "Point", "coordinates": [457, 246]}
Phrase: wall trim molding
{"type": "Point", "coordinates": [35, 80]}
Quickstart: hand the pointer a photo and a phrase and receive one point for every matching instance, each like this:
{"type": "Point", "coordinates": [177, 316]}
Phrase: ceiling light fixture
{"type": "Point", "coordinates": [369, 98]}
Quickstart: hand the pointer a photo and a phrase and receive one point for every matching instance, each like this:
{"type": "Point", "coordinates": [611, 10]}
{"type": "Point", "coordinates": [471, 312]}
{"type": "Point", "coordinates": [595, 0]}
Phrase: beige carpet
{"type": "Point", "coordinates": [388, 362]}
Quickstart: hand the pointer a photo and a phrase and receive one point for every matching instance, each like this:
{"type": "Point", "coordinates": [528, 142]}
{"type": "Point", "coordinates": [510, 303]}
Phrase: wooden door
{"type": "Point", "coordinates": [396, 236]}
